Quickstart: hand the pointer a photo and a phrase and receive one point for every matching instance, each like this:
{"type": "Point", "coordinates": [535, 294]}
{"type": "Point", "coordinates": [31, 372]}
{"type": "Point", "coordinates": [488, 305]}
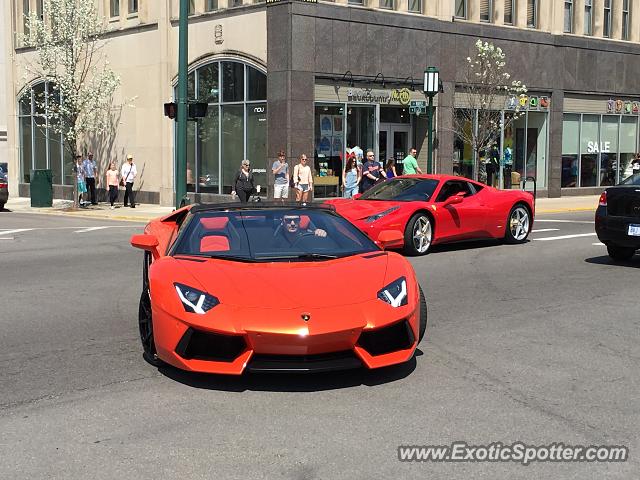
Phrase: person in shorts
{"type": "Point", "coordinates": [303, 179]}
{"type": "Point", "coordinates": [280, 171]}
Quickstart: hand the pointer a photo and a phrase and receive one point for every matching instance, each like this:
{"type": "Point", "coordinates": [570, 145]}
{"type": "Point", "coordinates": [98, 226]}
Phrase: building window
{"type": "Point", "coordinates": [588, 17]}
{"type": "Point", "coordinates": [25, 16]}
{"type": "Point", "coordinates": [235, 3]}
{"type": "Point", "coordinates": [192, 7]}
{"type": "Point", "coordinates": [114, 8]}
{"type": "Point", "coordinates": [133, 6]}
{"type": "Point", "coordinates": [532, 13]}
{"type": "Point", "coordinates": [356, 2]}
{"type": "Point", "coordinates": [461, 9]}
{"type": "Point", "coordinates": [508, 12]}
{"type": "Point", "coordinates": [486, 10]}
{"type": "Point", "coordinates": [234, 128]}
{"type": "Point", "coordinates": [40, 145]}
{"type": "Point", "coordinates": [568, 16]}
{"type": "Point", "coordinates": [625, 19]}
{"type": "Point", "coordinates": [386, 4]}
{"type": "Point", "coordinates": [40, 9]}
{"type": "Point", "coordinates": [415, 6]}
{"type": "Point", "coordinates": [606, 22]}
{"type": "Point", "coordinates": [212, 5]}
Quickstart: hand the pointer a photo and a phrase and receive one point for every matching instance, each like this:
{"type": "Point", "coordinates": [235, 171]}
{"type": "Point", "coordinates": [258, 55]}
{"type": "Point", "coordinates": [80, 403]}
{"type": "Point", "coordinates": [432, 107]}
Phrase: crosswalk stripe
{"type": "Point", "coordinates": [548, 220]}
{"type": "Point", "coordinates": [89, 229]}
{"type": "Point", "coordinates": [563, 237]}
{"type": "Point", "coordinates": [17, 230]}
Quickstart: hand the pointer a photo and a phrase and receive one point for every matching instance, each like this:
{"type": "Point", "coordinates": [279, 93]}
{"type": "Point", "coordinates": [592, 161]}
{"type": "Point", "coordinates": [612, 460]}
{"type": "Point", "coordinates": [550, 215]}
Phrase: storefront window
{"type": "Point", "coordinates": [588, 150]}
{"type": "Point", "coordinates": [40, 146]}
{"type": "Point", "coordinates": [537, 147]}
{"type": "Point", "coordinates": [329, 149]}
{"type": "Point", "coordinates": [361, 127]}
{"type": "Point", "coordinates": [628, 136]}
{"type": "Point", "coordinates": [233, 129]}
{"type": "Point", "coordinates": [462, 150]}
{"type": "Point", "coordinates": [609, 150]}
{"type": "Point", "coordinates": [570, 148]}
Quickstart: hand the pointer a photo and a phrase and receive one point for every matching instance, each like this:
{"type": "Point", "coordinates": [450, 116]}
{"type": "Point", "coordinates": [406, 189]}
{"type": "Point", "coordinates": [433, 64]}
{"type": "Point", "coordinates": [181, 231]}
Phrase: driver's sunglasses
{"type": "Point", "coordinates": [292, 221]}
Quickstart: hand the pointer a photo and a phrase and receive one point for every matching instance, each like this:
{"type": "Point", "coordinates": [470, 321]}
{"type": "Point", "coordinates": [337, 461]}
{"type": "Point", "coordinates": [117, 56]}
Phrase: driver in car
{"type": "Point", "coordinates": [290, 232]}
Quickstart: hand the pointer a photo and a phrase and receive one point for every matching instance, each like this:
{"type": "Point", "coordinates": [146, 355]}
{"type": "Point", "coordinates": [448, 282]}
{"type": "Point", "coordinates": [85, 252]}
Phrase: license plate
{"type": "Point", "coordinates": [634, 230]}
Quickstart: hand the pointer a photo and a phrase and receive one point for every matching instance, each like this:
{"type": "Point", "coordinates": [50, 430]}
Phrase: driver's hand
{"type": "Point", "coordinates": [320, 233]}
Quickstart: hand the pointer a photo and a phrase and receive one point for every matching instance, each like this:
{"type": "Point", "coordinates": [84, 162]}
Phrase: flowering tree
{"type": "Point", "coordinates": [66, 39]}
{"type": "Point", "coordinates": [486, 90]}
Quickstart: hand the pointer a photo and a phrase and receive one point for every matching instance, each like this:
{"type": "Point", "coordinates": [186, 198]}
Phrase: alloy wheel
{"type": "Point", "coordinates": [519, 223]}
{"type": "Point", "coordinates": [422, 234]}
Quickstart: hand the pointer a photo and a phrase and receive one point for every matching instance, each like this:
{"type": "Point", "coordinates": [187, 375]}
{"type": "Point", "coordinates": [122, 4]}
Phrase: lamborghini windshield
{"type": "Point", "coordinates": [263, 234]}
{"type": "Point", "coordinates": [402, 190]}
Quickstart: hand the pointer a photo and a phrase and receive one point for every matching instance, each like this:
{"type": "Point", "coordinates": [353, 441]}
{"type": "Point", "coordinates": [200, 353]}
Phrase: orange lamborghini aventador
{"type": "Point", "coordinates": [229, 288]}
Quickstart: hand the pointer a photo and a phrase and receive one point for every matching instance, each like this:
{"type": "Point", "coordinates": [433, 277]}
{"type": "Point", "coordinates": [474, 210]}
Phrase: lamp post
{"type": "Point", "coordinates": [431, 88]}
{"type": "Point", "coordinates": [183, 66]}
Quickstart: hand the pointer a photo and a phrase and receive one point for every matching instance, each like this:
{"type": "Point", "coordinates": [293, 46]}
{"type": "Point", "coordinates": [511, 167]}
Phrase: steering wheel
{"type": "Point", "coordinates": [301, 236]}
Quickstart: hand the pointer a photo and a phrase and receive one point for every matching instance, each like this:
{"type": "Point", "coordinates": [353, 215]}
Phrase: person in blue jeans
{"type": "Point", "coordinates": [350, 177]}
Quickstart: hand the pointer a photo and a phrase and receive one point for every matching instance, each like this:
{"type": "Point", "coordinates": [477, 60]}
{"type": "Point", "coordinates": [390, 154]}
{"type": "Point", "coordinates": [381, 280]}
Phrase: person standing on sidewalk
{"type": "Point", "coordinates": [90, 174]}
{"type": "Point", "coordinates": [410, 164]}
{"type": "Point", "coordinates": [350, 177]}
{"type": "Point", "coordinates": [243, 183]}
{"type": "Point", "coordinates": [372, 172]}
{"type": "Point", "coordinates": [128, 175]}
{"type": "Point", "coordinates": [82, 186]}
{"type": "Point", "coordinates": [303, 179]}
{"type": "Point", "coordinates": [112, 183]}
{"type": "Point", "coordinates": [280, 169]}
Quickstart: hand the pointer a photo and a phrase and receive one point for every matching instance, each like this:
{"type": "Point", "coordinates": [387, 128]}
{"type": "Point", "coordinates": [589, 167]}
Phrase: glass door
{"type": "Point", "coordinates": [394, 143]}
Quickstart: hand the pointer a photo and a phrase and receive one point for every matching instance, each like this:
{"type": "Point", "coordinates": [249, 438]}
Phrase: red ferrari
{"type": "Point", "coordinates": [432, 209]}
{"type": "Point", "coordinates": [229, 288]}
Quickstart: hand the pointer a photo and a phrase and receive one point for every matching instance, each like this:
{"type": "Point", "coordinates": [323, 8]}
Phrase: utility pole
{"type": "Point", "coordinates": [183, 66]}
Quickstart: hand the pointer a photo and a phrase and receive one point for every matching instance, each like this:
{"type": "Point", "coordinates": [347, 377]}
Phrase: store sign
{"type": "Point", "coordinates": [525, 102]}
{"type": "Point", "coordinates": [626, 107]}
{"type": "Point", "coordinates": [383, 97]}
{"type": "Point", "coordinates": [598, 147]}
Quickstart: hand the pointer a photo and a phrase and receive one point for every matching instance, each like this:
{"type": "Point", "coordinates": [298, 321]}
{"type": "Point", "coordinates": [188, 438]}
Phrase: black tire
{"type": "Point", "coordinates": [620, 253]}
{"type": "Point", "coordinates": [518, 224]}
{"type": "Point", "coordinates": [423, 222]}
{"type": "Point", "coordinates": [145, 325]}
{"type": "Point", "coordinates": [423, 316]}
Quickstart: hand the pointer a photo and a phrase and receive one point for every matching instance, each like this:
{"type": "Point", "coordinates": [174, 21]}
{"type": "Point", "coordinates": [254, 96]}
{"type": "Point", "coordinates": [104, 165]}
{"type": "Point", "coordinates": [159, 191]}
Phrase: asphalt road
{"type": "Point", "coordinates": [535, 343]}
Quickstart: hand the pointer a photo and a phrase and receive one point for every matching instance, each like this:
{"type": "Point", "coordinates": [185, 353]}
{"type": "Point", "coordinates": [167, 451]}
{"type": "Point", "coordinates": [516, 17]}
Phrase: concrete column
{"type": "Point", "coordinates": [634, 20]}
{"type": "Point", "coordinates": [578, 17]}
{"type": "Point", "coordinates": [443, 158]}
{"type": "Point", "coordinates": [554, 159]}
{"type": "Point", "coordinates": [616, 19]}
{"type": "Point", "coordinates": [498, 11]}
{"type": "Point", "coordinates": [10, 25]}
{"type": "Point", "coordinates": [521, 14]}
{"type": "Point", "coordinates": [598, 17]}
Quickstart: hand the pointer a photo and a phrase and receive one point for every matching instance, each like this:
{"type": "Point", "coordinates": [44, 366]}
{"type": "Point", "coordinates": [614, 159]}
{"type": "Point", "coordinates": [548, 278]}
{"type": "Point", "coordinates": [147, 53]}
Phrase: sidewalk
{"type": "Point", "coordinates": [146, 212]}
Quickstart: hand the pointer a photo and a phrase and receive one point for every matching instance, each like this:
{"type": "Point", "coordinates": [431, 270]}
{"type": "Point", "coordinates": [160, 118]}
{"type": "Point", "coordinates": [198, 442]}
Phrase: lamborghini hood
{"type": "Point", "coordinates": [323, 283]}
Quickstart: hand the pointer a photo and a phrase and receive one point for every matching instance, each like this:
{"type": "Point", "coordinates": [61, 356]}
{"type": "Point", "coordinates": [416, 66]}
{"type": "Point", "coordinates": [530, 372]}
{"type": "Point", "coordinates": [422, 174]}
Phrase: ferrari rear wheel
{"type": "Point", "coordinates": [620, 253]}
{"type": "Point", "coordinates": [145, 324]}
{"type": "Point", "coordinates": [418, 235]}
{"type": "Point", "coordinates": [518, 224]}
{"type": "Point", "coordinates": [423, 316]}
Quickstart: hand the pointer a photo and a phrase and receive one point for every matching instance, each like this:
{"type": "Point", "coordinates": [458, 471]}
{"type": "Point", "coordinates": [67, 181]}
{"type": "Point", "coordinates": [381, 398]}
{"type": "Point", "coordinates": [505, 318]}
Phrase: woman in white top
{"type": "Point", "coordinates": [302, 179]}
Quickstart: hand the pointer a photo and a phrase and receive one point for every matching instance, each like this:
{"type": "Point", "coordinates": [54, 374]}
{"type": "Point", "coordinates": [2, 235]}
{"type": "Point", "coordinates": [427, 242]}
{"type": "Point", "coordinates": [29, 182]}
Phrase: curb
{"type": "Point", "coordinates": [140, 219]}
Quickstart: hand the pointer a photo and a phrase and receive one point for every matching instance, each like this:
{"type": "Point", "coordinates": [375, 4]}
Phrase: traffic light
{"type": "Point", "coordinates": [171, 110]}
{"type": "Point", "coordinates": [197, 110]}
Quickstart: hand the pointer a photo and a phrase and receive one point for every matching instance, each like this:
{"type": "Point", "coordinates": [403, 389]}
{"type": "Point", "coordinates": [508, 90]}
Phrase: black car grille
{"type": "Point", "coordinates": [199, 345]}
{"type": "Point", "coordinates": [379, 341]}
{"type": "Point", "coordinates": [324, 362]}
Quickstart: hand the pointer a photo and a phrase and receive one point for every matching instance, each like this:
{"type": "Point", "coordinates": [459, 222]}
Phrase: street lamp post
{"type": "Point", "coordinates": [183, 66]}
{"type": "Point", "coordinates": [431, 88]}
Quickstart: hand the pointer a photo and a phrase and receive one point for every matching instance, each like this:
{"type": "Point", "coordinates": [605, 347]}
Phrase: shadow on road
{"type": "Point", "coordinates": [4, 210]}
{"type": "Point", "coordinates": [466, 245]}
{"type": "Point", "coordinates": [607, 260]}
{"type": "Point", "coordinates": [293, 382]}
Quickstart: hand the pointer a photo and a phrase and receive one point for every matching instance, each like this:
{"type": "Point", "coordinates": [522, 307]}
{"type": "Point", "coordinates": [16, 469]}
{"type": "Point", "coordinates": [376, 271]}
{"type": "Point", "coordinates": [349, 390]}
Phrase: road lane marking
{"type": "Point", "coordinates": [89, 229]}
{"type": "Point", "coordinates": [17, 230]}
{"type": "Point", "coordinates": [7, 238]}
{"type": "Point", "coordinates": [538, 220]}
{"type": "Point", "coordinates": [563, 237]}
{"type": "Point", "coordinates": [545, 230]}
{"type": "Point", "coordinates": [599, 244]}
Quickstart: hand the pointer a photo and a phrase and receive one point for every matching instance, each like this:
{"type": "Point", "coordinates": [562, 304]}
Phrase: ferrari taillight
{"type": "Point", "coordinates": [603, 199]}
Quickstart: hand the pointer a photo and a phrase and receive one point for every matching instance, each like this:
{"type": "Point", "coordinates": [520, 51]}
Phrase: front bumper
{"type": "Point", "coordinates": [613, 230]}
{"type": "Point", "coordinates": [373, 335]}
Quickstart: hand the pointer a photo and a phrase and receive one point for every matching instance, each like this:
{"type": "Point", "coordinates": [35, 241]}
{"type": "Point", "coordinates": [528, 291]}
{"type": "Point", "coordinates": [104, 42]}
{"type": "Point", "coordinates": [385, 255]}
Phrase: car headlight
{"type": "Point", "coordinates": [395, 294]}
{"type": "Point", "coordinates": [378, 216]}
{"type": "Point", "coordinates": [194, 300]}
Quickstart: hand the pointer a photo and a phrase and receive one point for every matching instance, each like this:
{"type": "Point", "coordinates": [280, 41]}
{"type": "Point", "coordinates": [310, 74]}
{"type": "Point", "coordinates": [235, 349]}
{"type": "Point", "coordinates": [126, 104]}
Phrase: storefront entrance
{"type": "Point", "coordinates": [394, 141]}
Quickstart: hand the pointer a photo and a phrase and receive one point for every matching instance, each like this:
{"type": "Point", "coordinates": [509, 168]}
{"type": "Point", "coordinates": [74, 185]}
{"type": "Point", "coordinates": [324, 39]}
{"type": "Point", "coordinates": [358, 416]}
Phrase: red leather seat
{"type": "Point", "coordinates": [214, 243]}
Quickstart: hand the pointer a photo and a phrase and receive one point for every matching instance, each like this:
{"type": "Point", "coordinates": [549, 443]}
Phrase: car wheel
{"type": "Point", "coordinates": [620, 253]}
{"type": "Point", "coordinates": [418, 235]}
{"type": "Point", "coordinates": [145, 324]}
{"type": "Point", "coordinates": [518, 224]}
{"type": "Point", "coordinates": [423, 316]}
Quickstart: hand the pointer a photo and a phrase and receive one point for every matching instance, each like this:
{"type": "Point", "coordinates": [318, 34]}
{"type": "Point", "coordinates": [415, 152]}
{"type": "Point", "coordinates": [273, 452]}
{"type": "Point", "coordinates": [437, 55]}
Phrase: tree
{"type": "Point", "coordinates": [486, 90]}
{"type": "Point", "coordinates": [70, 59]}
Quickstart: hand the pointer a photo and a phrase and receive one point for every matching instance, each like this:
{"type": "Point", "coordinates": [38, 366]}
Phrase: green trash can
{"type": "Point", "coordinates": [41, 188]}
